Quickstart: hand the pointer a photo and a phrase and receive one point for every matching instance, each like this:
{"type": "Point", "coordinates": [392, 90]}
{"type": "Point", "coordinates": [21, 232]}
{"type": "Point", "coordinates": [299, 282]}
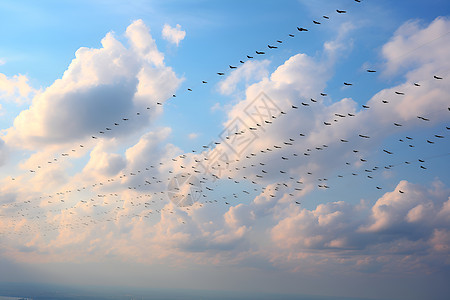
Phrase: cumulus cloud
{"type": "Point", "coordinates": [173, 34]}
{"type": "Point", "coordinates": [412, 44]}
{"type": "Point", "coordinates": [100, 87]}
{"type": "Point", "coordinates": [16, 88]}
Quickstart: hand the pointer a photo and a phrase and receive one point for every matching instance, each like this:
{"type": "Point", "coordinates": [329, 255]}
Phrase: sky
{"type": "Point", "coordinates": [296, 147]}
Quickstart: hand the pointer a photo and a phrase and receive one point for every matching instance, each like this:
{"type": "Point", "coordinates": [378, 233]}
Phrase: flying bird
{"type": "Point", "coordinates": [437, 77]}
{"type": "Point", "coordinates": [272, 47]}
{"type": "Point", "coordinates": [301, 29]}
{"type": "Point", "coordinates": [315, 22]}
{"type": "Point", "coordinates": [232, 67]}
{"type": "Point", "coordinates": [260, 52]}
{"type": "Point", "coordinates": [346, 83]}
{"type": "Point", "coordinates": [341, 11]}
{"type": "Point", "coordinates": [220, 73]}
{"type": "Point", "coordinates": [371, 71]}
{"type": "Point", "coordinates": [325, 17]}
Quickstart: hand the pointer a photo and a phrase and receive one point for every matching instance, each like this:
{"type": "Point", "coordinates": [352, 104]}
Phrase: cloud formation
{"type": "Point", "coordinates": [173, 34]}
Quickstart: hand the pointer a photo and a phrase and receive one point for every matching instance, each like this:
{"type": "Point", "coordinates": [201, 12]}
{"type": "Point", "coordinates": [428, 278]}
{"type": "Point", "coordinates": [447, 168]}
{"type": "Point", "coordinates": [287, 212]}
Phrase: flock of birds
{"type": "Point", "coordinates": [147, 187]}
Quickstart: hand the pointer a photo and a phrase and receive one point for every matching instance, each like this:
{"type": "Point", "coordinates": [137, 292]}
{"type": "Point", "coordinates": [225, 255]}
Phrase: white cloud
{"type": "Point", "coordinates": [173, 34]}
{"type": "Point", "coordinates": [100, 87]}
{"type": "Point", "coordinates": [250, 72]}
{"type": "Point", "coordinates": [16, 89]}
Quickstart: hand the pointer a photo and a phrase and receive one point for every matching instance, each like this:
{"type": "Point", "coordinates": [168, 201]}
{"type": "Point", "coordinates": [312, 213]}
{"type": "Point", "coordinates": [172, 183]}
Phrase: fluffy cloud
{"type": "Point", "coordinates": [173, 34]}
{"type": "Point", "coordinates": [16, 88]}
{"type": "Point", "coordinates": [250, 72]}
{"type": "Point", "coordinates": [100, 87]}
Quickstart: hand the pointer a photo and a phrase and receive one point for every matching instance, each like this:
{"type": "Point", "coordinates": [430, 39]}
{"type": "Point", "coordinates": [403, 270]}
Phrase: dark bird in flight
{"type": "Point", "coordinates": [305, 104]}
{"type": "Point", "coordinates": [190, 90]}
{"type": "Point", "coordinates": [325, 17]}
{"type": "Point", "coordinates": [422, 167]}
{"type": "Point", "coordinates": [366, 106]}
{"type": "Point", "coordinates": [301, 29]}
{"type": "Point", "coordinates": [220, 73]}
{"type": "Point", "coordinates": [346, 83]}
{"type": "Point", "coordinates": [437, 77]}
{"type": "Point", "coordinates": [388, 152]}
{"type": "Point", "coordinates": [315, 22]}
{"type": "Point", "coordinates": [396, 124]}
{"type": "Point", "coordinates": [344, 141]}
{"type": "Point", "coordinates": [430, 142]}
{"type": "Point", "coordinates": [326, 123]}
{"type": "Point", "coordinates": [260, 52]}
{"type": "Point", "coordinates": [272, 47]}
{"type": "Point", "coordinates": [359, 1]}
{"type": "Point", "coordinates": [323, 94]}
{"type": "Point", "coordinates": [364, 136]}
{"type": "Point", "coordinates": [278, 41]}
{"type": "Point", "coordinates": [351, 115]}
{"type": "Point", "coordinates": [242, 62]}
{"type": "Point", "coordinates": [341, 11]}
{"type": "Point", "coordinates": [204, 81]}
{"type": "Point", "coordinates": [423, 118]}
{"type": "Point", "coordinates": [409, 138]}
{"type": "Point", "coordinates": [399, 93]}
{"type": "Point", "coordinates": [291, 35]}
{"type": "Point", "coordinates": [231, 67]}
{"type": "Point", "coordinates": [378, 188]}
{"type": "Point", "coordinates": [313, 100]}
{"type": "Point", "coordinates": [439, 136]}
{"type": "Point", "coordinates": [400, 191]}
{"type": "Point", "coordinates": [416, 84]}
{"type": "Point", "coordinates": [159, 103]}
{"type": "Point", "coordinates": [249, 56]}
{"type": "Point", "coordinates": [384, 101]}
{"type": "Point", "coordinates": [293, 106]}
{"type": "Point", "coordinates": [421, 160]}
{"type": "Point", "coordinates": [371, 71]}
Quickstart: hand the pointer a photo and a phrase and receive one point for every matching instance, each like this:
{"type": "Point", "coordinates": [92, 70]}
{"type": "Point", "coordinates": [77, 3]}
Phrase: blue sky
{"type": "Point", "coordinates": [364, 195]}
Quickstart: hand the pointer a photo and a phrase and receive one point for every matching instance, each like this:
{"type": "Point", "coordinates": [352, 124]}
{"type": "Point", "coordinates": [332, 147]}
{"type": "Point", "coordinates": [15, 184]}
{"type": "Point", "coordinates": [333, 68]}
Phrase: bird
{"type": "Point", "coordinates": [278, 41]}
{"type": "Point", "coordinates": [364, 136]}
{"type": "Point", "coordinates": [399, 93]}
{"type": "Point", "coordinates": [325, 17]}
{"type": "Point", "coordinates": [313, 100]}
{"type": "Point", "coordinates": [430, 142]}
{"type": "Point", "coordinates": [315, 22]}
{"type": "Point", "coordinates": [326, 123]}
{"type": "Point", "coordinates": [301, 29]}
{"type": "Point", "coordinates": [439, 136]}
{"type": "Point", "coordinates": [371, 71]}
{"type": "Point", "coordinates": [323, 94]}
{"type": "Point", "coordinates": [346, 83]}
{"type": "Point", "coordinates": [437, 77]}
{"type": "Point", "coordinates": [388, 152]}
{"type": "Point", "coordinates": [248, 56]}
{"type": "Point", "coordinates": [423, 118]}
{"type": "Point", "coordinates": [232, 67]}
{"type": "Point", "coordinates": [219, 73]}
{"type": "Point", "coordinates": [305, 104]}
{"type": "Point", "coordinates": [400, 191]}
{"type": "Point", "coordinates": [272, 47]}
{"type": "Point", "coordinates": [384, 101]}
{"type": "Point", "coordinates": [416, 84]}
{"type": "Point", "coordinates": [366, 106]}
{"type": "Point", "coordinates": [260, 52]}
{"type": "Point", "coordinates": [341, 11]}
{"type": "Point", "coordinates": [295, 107]}
{"type": "Point", "coordinates": [204, 81]}
{"type": "Point", "coordinates": [291, 35]}
{"type": "Point", "coordinates": [396, 124]}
